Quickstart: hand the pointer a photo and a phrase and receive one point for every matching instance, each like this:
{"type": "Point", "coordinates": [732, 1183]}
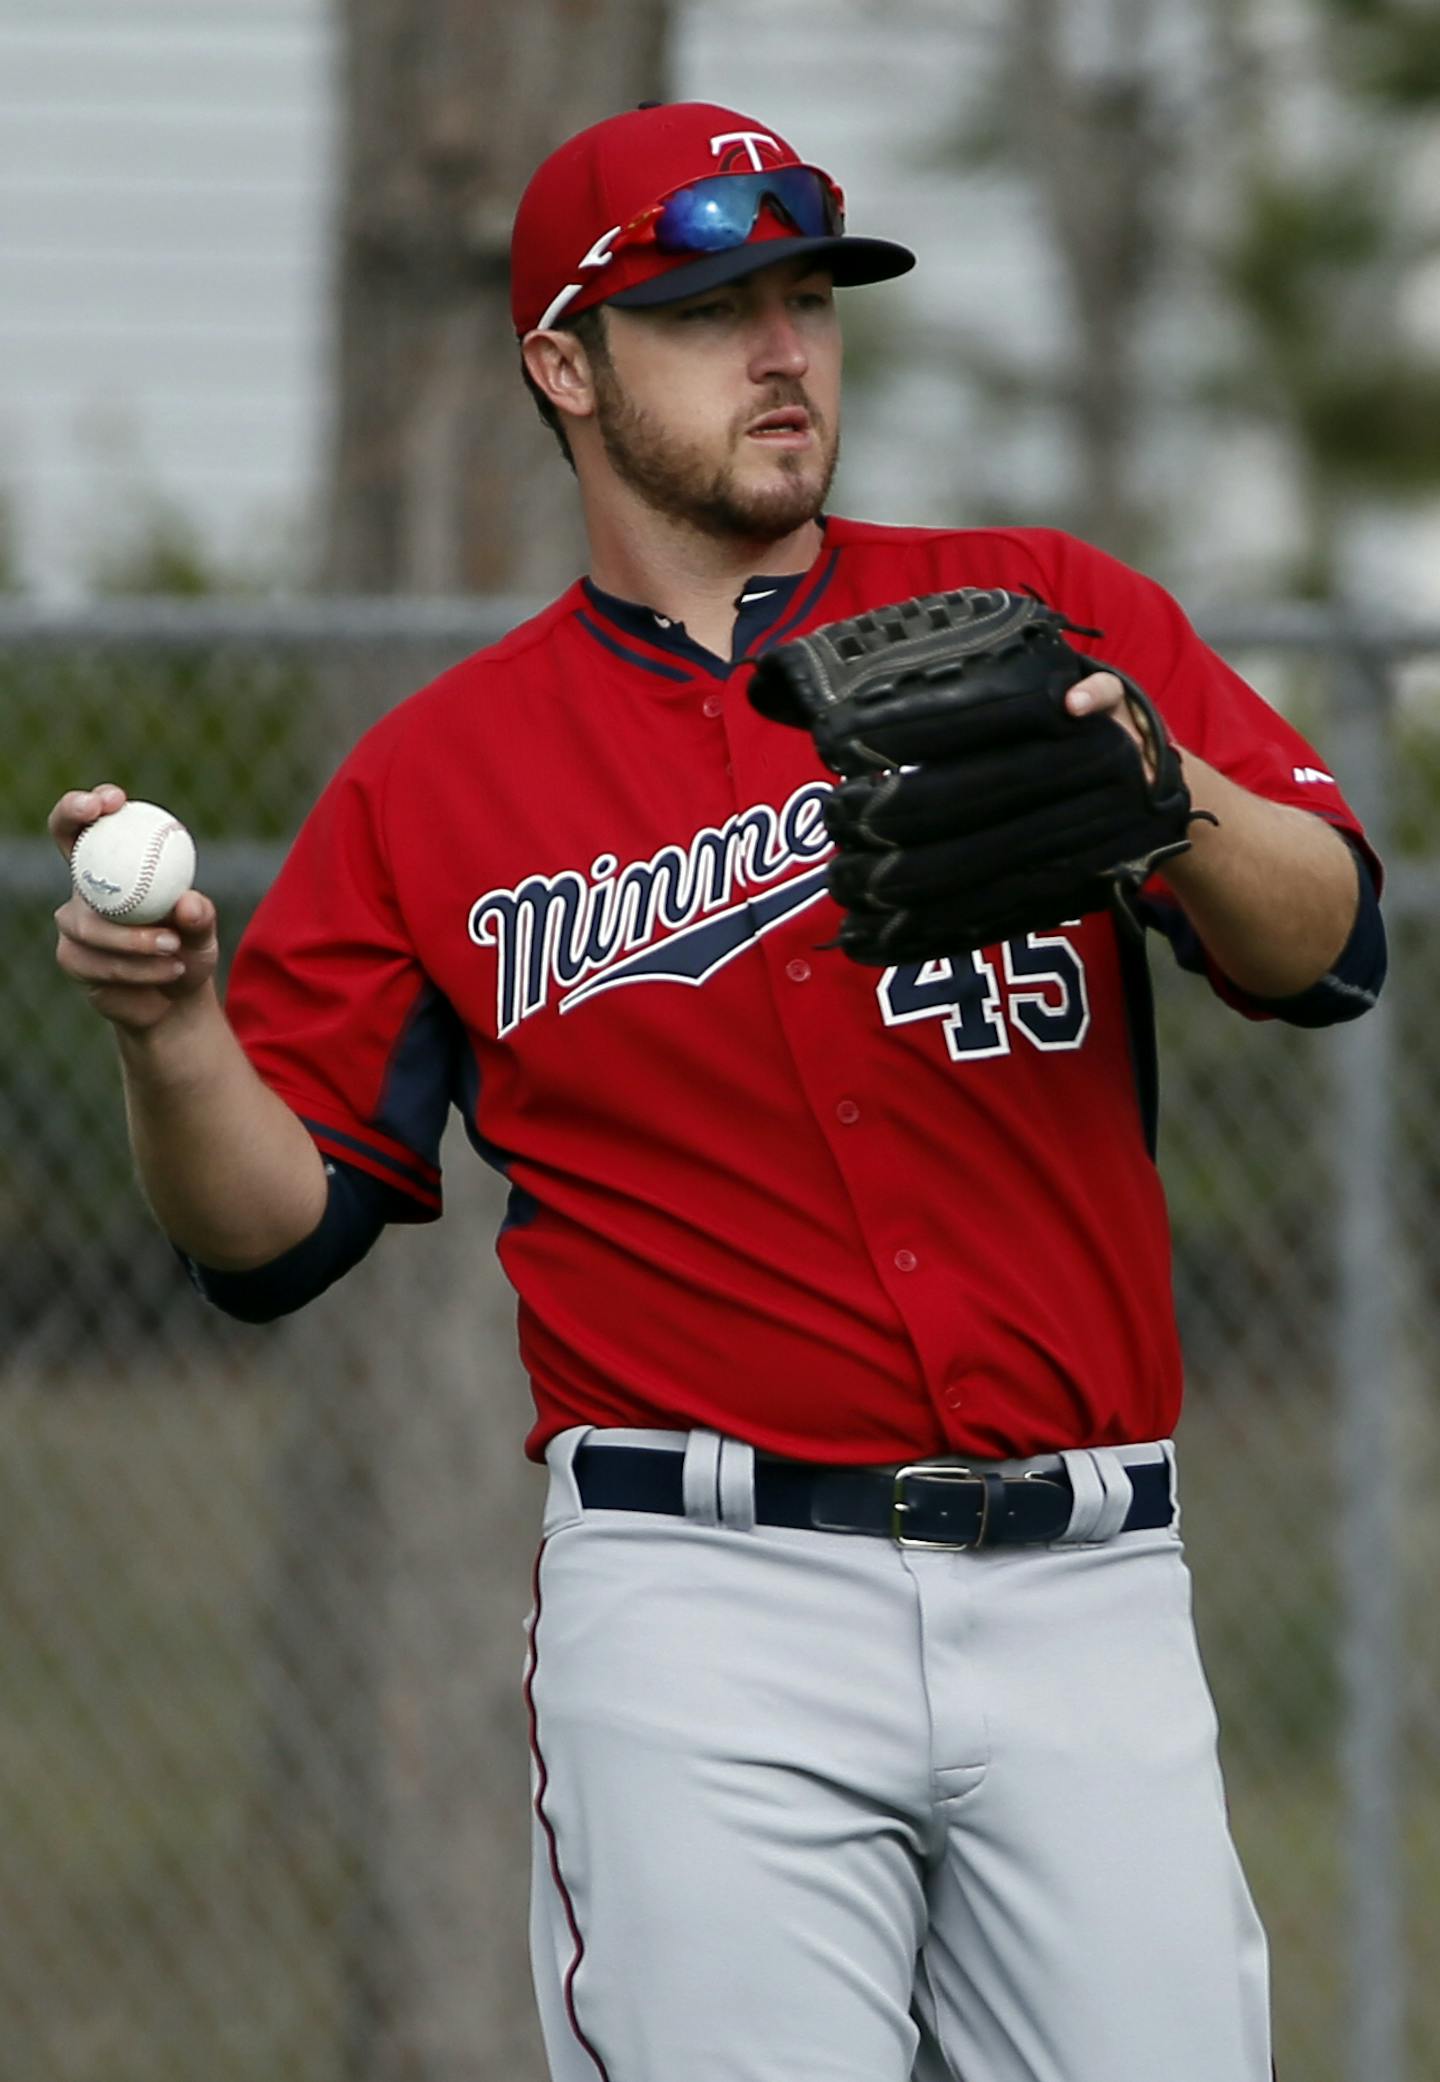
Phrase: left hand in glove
{"type": "Point", "coordinates": [973, 806]}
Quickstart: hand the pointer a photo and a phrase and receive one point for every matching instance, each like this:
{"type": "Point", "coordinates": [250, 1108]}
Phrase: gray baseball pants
{"type": "Point", "coordinates": [813, 1807]}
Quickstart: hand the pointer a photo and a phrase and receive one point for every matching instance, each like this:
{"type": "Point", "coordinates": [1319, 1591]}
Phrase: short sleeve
{"type": "Point", "coordinates": [1208, 708]}
{"type": "Point", "coordinates": [332, 1005]}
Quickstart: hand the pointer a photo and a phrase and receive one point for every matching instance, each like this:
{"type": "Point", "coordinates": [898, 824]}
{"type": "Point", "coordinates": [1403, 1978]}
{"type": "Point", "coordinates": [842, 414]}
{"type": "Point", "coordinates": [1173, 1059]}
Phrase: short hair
{"type": "Point", "coordinates": [588, 327]}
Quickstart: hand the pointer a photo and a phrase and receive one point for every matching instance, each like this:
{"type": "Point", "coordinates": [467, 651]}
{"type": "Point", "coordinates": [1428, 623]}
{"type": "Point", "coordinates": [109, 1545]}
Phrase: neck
{"type": "Point", "coordinates": [689, 576]}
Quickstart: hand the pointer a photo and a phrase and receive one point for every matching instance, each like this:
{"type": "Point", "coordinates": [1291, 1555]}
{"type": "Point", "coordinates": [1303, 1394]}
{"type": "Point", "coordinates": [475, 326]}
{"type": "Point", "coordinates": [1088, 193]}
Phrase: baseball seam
{"type": "Point", "coordinates": [148, 866]}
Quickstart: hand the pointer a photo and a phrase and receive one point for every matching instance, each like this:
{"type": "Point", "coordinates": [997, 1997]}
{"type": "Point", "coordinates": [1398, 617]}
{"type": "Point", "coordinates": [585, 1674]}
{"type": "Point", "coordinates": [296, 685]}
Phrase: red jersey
{"type": "Point", "coordinates": [577, 887]}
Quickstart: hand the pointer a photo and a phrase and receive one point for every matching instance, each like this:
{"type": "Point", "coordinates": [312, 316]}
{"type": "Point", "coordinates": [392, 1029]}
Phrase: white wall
{"type": "Point", "coordinates": [164, 184]}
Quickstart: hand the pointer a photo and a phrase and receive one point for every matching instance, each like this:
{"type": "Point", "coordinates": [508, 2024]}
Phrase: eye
{"type": "Point", "coordinates": [717, 307]}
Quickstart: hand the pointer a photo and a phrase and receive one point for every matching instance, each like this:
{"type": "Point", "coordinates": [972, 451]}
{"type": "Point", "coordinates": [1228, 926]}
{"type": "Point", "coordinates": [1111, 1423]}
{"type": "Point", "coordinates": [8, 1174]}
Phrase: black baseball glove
{"type": "Point", "coordinates": [972, 807]}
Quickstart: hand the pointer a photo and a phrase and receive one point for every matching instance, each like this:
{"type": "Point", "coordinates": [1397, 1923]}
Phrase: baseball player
{"type": "Point", "coordinates": [870, 1738]}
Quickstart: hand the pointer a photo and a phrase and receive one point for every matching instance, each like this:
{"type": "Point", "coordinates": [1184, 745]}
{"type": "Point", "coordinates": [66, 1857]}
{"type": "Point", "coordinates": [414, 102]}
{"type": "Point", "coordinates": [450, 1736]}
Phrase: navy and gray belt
{"type": "Point", "coordinates": [925, 1504]}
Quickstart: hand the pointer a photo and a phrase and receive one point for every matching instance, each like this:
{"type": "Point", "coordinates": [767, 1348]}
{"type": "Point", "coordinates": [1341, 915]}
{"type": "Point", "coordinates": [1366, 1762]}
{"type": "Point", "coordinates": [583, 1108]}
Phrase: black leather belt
{"type": "Point", "coordinates": [925, 1504]}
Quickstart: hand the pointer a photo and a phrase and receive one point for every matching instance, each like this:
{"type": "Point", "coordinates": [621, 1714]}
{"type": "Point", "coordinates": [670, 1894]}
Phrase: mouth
{"type": "Point", "coordinates": [786, 427]}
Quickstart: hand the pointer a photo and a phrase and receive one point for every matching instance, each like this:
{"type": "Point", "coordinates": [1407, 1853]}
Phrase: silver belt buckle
{"type": "Point", "coordinates": [945, 1472]}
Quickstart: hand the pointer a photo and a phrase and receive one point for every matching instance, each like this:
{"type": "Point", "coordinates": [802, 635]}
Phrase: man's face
{"type": "Point", "coordinates": [723, 412]}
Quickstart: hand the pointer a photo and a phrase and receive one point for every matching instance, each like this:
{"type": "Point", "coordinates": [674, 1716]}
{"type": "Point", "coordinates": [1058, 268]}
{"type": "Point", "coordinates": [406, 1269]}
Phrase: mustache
{"type": "Point", "coordinates": [785, 390]}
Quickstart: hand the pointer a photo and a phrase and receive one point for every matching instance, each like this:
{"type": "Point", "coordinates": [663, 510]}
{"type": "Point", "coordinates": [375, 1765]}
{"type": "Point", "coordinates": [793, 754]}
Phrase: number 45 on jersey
{"type": "Point", "coordinates": [1044, 997]}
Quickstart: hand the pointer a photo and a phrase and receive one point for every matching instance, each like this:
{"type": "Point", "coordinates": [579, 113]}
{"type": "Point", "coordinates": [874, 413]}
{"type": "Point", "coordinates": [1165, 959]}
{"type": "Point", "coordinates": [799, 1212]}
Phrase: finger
{"type": "Point", "coordinates": [80, 807]}
{"type": "Point", "coordinates": [80, 921]}
{"type": "Point", "coordinates": [193, 918]}
{"type": "Point", "coordinates": [101, 967]}
{"type": "Point", "coordinates": [1098, 694]}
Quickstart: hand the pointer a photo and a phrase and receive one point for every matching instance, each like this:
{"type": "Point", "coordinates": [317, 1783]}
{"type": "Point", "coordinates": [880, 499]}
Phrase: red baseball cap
{"type": "Point", "coordinates": [585, 229]}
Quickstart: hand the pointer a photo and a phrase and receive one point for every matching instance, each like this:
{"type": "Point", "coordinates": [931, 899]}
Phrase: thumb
{"type": "Point", "coordinates": [194, 918]}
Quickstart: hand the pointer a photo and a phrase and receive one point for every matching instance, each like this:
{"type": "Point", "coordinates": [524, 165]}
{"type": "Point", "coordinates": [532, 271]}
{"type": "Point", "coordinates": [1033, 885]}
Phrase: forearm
{"type": "Point", "coordinates": [232, 1176]}
{"type": "Point", "coordinates": [1271, 890]}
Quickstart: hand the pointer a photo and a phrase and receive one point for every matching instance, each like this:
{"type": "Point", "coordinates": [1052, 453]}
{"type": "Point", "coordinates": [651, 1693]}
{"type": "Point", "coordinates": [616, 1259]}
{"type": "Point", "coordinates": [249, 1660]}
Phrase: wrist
{"type": "Point", "coordinates": [1208, 790]}
{"type": "Point", "coordinates": [164, 1052]}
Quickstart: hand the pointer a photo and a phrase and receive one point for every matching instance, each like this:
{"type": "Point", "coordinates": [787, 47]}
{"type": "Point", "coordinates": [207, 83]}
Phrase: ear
{"type": "Point", "coordinates": [560, 367]}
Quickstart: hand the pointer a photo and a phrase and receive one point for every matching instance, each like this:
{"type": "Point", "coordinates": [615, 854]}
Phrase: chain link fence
{"type": "Point", "coordinates": [262, 1589]}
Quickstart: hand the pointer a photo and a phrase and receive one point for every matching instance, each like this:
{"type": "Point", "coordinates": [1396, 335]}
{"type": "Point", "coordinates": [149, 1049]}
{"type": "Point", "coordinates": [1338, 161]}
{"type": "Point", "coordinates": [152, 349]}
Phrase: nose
{"type": "Point", "coordinates": [779, 347]}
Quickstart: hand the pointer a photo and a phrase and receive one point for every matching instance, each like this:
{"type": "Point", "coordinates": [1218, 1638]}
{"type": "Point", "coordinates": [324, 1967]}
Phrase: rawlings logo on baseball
{"type": "Point", "coordinates": [135, 864]}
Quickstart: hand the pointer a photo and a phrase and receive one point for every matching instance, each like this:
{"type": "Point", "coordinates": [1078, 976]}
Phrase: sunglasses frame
{"type": "Point", "coordinates": [645, 229]}
{"type": "Point", "coordinates": [642, 229]}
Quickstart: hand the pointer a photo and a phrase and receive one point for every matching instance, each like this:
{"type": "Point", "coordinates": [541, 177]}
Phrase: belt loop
{"type": "Point", "coordinates": [737, 1485]}
{"type": "Point", "coordinates": [700, 1486]}
{"type": "Point", "coordinates": [562, 1497]}
{"type": "Point", "coordinates": [1102, 1494]}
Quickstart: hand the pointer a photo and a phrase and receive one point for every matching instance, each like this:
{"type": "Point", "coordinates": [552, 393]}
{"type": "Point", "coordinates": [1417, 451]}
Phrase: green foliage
{"type": "Point", "coordinates": [224, 735]}
{"type": "Point", "coordinates": [1305, 263]}
{"type": "Point", "coordinates": [1294, 245]}
{"type": "Point", "coordinates": [1391, 49]}
{"type": "Point", "coordinates": [1312, 263]}
{"type": "Point", "coordinates": [1378, 425]}
{"type": "Point", "coordinates": [229, 739]}
{"type": "Point", "coordinates": [1311, 241]}
{"type": "Point", "coordinates": [1317, 262]}
{"type": "Point", "coordinates": [1414, 800]}
{"type": "Point", "coordinates": [225, 738]}
{"type": "Point", "coordinates": [158, 552]}
{"type": "Point", "coordinates": [9, 547]}
{"type": "Point", "coordinates": [164, 557]}
{"type": "Point", "coordinates": [232, 739]}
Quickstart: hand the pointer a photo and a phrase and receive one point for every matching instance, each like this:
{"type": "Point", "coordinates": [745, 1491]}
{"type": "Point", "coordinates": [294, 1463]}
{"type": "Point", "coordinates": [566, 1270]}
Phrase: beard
{"type": "Point", "coordinates": [676, 478]}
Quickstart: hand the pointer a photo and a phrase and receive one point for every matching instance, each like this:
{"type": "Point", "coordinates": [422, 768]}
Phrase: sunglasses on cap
{"type": "Point", "coordinates": [720, 212]}
{"type": "Point", "coordinates": [717, 214]}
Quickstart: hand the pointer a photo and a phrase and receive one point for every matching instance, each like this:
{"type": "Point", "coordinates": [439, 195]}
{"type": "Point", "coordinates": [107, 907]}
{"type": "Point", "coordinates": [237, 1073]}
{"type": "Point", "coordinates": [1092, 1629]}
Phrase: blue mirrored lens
{"type": "Point", "coordinates": [713, 216]}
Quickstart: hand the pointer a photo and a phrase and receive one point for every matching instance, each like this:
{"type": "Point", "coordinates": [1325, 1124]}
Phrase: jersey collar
{"type": "Point", "coordinates": [767, 609]}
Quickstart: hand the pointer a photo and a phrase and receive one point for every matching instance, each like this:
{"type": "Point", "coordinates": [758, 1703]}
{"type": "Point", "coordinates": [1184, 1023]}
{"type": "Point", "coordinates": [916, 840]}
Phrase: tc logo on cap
{"type": "Point", "coordinates": [640, 210]}
{"type": "Point", "coordinates": [748, 143]}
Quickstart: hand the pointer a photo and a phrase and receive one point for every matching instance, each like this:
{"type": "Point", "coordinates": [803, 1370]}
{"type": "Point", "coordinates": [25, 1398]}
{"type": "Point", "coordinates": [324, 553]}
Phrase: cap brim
{"type": "Point", "coordinates": [852, 261]}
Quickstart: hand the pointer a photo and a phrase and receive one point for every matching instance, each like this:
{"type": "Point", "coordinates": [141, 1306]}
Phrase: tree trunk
{"type": "Point", "coordinates": [1092, 138]}
{"type": "Point", "coordinates": [408, 1516]}
{"type": "Point", "coordinates": [443, 480]}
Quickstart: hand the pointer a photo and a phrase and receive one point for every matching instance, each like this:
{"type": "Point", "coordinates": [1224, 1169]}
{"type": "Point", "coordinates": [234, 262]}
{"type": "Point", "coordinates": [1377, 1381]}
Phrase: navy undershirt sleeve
{"type": "Point", "coordinates": [1349, 987]}
{"type": "Point", "coordinates": [357, 1208]}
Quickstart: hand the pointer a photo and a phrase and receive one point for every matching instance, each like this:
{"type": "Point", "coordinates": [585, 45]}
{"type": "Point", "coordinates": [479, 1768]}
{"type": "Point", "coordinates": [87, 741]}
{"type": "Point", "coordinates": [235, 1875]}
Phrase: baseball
{"type": "Point", "coordinates": [135, 864]}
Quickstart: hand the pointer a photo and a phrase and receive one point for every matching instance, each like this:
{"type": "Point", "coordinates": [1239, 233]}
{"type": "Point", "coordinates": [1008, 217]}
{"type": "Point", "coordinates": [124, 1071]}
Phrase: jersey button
{"type": "Point", "coordinates": [798, 971]}
{"type": "Point", "coordinates": [713, 705]}
{"type": "Point", "coordinates": [848, 1112]}
{"type": "Point", "coordinates": [905, 1261]}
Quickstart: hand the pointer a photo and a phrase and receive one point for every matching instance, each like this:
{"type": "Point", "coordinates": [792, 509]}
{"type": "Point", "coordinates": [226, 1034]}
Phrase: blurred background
{"type": "Point", "coordinates": [266, 466]}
